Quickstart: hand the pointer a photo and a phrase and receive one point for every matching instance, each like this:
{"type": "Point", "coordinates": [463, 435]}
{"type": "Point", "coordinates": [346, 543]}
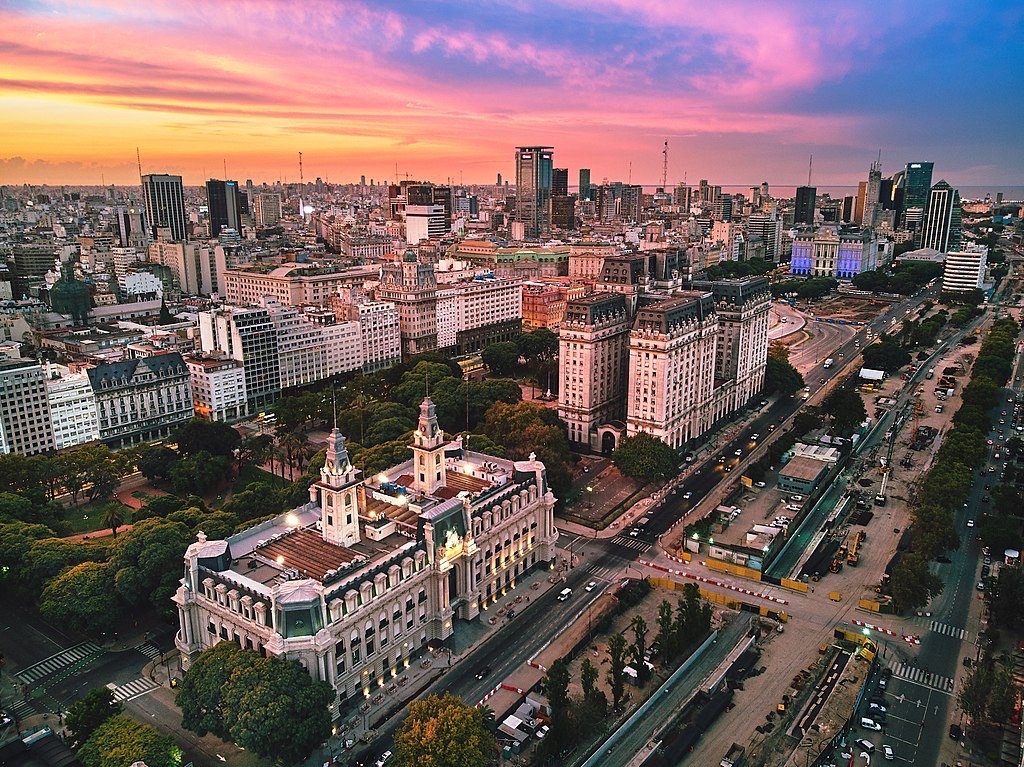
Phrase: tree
{"type": "Point", "coordinates": [974, 691]}
{"type": "Point", "coordinates": [885, 355]}
{"type": "Point", "coordinates": [639, 647]}
{"type": "Point", "coordinates": [845, 407]}
{"type": "Point", "coordinates": [665, 638]}
{"type": "Point", "coordinates": [912, 584]}
{"type": "Point", "coordinates": [268, 705]}
{"type": "Point", "coordinates": [388, 430]}
{"type": "Point", "coordinates": [113, 519]}
{"type": "Point", "coordinates": [146, 563]}
{"type": "Point", "coordinates": [588, 678]}
{"type": "Point", "coordinates": [275, 708]}
{"type": "Point", "coordinates": [1007, 598]}
{"type": "Point", "coordinates": [501, 358]}
{"type": "Point", "coordinates": [121, 741]}
{"type": "Point", "coordinates": [616, 671]}
{"type": "Point", "coordinates": [1007, 499]}
{"type": "Point", "coordinates": [156, 463]}
{"type": "Point", "coordinates": [645, 457]}
{"type": "Point", "coordinates": [87, 713]}
{"type": "Point", "coordinates": [82, 598]}
{"type": "Point", "coordinates": [556, 687]}
{"type": "Point", "coordinates": [443, 730]}
{"type": "Point", "coordinates": [213, 437]}
{"type": "Point", "coordinates": [1002, 696]}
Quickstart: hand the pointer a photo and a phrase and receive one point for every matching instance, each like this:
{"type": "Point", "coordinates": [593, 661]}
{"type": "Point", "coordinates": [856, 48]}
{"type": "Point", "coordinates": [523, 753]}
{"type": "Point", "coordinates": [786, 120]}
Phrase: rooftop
{"type": "Point", "coordinates": [801, 467]}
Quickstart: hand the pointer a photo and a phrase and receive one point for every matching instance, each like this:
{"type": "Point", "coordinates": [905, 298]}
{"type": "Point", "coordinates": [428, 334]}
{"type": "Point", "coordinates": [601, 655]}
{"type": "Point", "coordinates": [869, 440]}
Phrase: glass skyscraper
{"type": "Point", "coordinates": [534, 166]}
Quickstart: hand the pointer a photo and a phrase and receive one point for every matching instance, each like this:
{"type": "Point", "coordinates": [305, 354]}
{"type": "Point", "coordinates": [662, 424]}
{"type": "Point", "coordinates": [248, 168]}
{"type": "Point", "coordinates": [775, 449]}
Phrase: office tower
{"type": "Point", "coordinates": [806, 198]}
{"type": "Point", "coordinates": [225, 205]}
{"type": "Point", "coordinates": [498, 181]}
{"type": "Point", "coordinates": [964, 269]}
{"type": "Point", "coordinates": [767, 227]}
{"type": "Point", "coordinates": [165, 207]}
{"type": "Point", "coordinates": [672, 368]}
{"type": "Point", "coordinates": [593, 357]}
{"type": "Point", "coordinates": [25, 422]}
{"type": "Point", "coordinates": [872, 194]}
{"type": "Point", "coordinates": [917, 183]}
{"type": "Point", "coordinates": [559, 182]}
{"type": "Point", "coordinates": [683, 197]}
{"type": "Point", "coordinates": [131, 229]}
{"type": "Point", "coordinates": [942, 219]}
{"type": "Point", "coordinates": [847, 213]}
{"type": "Point", "coordinates": [584, 190]}
{"type": "Point", "coordinates": [424, 222]}
{"type": "Point", "coordinates": [248, 336]}
{"type": "Point", "coordinates": [267, 209]}
{"type": "Point", "coordinates": [858, 206]}
{"type": "Point", "coordinates": [533, 190]}
{"type": "Point", "coordinates": [563, 212]}
{"type": "Point", "coordinates": [721, 209]}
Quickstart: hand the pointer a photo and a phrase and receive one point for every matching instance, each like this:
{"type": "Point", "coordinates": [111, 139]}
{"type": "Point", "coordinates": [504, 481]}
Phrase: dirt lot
{"type": "Point", "coordinates": [851, 308]}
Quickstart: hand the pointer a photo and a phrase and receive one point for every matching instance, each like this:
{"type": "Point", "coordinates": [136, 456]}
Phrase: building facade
{"type": "Point", "coordinates": [72, 407]}
{"type": "Point", "coordinates": [25, 421]}
{"type": "Point", "coordinates": [293, 284]}
{"type": "Point", "coordinates": [248, 336]}
{"type": "Point", "coordinates": [964, 269]}
{"type": "Point", "coordinates": [218, 387]}
{"type": "Point", "coordinates": [942, 219]}
{"type": "Point", "coordinates": [412, 287]}
{"type": "Point", "coordinates": [139, 400]}
{"type": "Point", "coordinates": [534, 170]}
{"type": "Point", "coordinates": [672, 368]}
{"type": "Point", "coordinates": [593, 355]}
{"type": "Point", "coordinates": [833, 252]}
{"type": "Point", "coordinates": [165, 207]}
{"type": "Point", "coordinates": [806, 201]}
{"type": "Point", "coordinates": [357, 582]}
{"type": "Point", "coordinates": [474, 313]}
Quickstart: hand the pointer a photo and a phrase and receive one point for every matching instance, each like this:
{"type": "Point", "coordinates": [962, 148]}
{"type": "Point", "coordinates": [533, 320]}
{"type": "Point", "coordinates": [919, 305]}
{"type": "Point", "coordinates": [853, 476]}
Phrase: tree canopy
{"type": "Point", "coordinates": [87, 713]}
{"type": "Point", "coordinates": [845, 407]}
{"type": "Point", "coordinates": [443, 731]}
{"type": "Point", "coordinates": [121, 741]}
{"type": "Point", "coordinates": [645, 457]}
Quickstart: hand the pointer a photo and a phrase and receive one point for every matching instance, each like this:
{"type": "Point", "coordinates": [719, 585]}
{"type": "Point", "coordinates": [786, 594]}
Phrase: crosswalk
{"type": "Point", "coordinates": [57, 662]}
{"type": "Point", "coordinates": [606, 573]}
{"type": "Point", "coordinates": [21, 709]}
{"type": "Point", "coordinates": [631, 543]}
{"type": "Point", "coordinates": [945, 628]}
{"type": "Point", "coordinates": [921, 677]}
{"type": "Point", "coordinates": [149, 650]}
{"type": "Point", "coordinates": [133, 689]}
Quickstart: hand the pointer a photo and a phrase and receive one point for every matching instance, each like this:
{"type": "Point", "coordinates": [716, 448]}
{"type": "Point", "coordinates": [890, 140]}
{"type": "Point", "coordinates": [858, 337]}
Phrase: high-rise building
{"type": "Point", "coordinates": [559, 182]}
{"type": "Point", "coordinates": [131, 228]}
{"type": "Point", "coordinates": [225, 205]}
{"type": "Point", "coordinates": [917, 183]}
{"type": "Point", "coordinates": [250, 337]}
{"type": "Point", "coordinates": [25, 423]}
{"type": "Point", "coordinates": [672, 368]}
{"type": "Point", "coordinates": [593, 354]}
{"type": "Point", "coordinates": [412, 287]}
{"type": "Point", "coordinates": [584, 191]}
{"type": "Point", "coordinates": [872, 196]}
{"type": "Point", "coordinates": [424, 222]}
{"type": "Point", "coordinates": [267, 209]}
{"type": "Point", "coordinates": [964, 269]}
{"type": "Point", "coordinates": [806, 199]}
{"type": "Point", "coordinates": [165, 207]}
{"type": "Point", "coordinates": [533, 189]}
{"type": "Point", "coordinates": [767, 227]}
{"type": "Point", "coordinates": [942, 222]}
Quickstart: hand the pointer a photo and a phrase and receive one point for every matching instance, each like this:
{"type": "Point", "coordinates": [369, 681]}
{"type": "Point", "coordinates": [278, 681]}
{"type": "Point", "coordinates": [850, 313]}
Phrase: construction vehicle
{"type": "Point", "coordinates": [734, 758]}
{"type": "Point", "coordinates": [853, 557]}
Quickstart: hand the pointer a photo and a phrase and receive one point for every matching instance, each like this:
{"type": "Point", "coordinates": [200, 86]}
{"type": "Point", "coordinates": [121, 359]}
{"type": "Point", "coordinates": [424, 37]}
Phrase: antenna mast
{"type": "Point", "coordinates": [138, 157]}
{"type": "Point", "coordinates": [629, 178]}
{"type": "Point", "coordinates": [664, 166]}
{"type": "Point", "coordinates": [301, 182]}
{"type": "Point", "coordinates": [225, 161]}
{"type": "Point", "coordinates": [810, 166]}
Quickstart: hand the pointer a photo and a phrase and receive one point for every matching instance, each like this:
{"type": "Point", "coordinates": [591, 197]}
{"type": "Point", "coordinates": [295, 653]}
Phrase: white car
{"type": "Point", "coordinates": [591, 586]}
{"type": "Point", "coordinates": [383, 759]}
{"type": "Point", "coordinates": [687, 495]}
{"type": "Point", "coordinates": [887, 752]}
{"type": "Point", "coordinates": [760, 484]}
{"type": "Point", "coordinates": [970, 523]}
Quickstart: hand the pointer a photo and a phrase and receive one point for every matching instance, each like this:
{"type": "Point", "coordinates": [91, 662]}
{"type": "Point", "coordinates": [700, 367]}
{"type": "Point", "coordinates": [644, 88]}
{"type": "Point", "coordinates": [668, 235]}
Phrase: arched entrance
{"type": "Point", "coordinates": [608, 442]}
{"type": "Point", "coordinates": [453, 585]}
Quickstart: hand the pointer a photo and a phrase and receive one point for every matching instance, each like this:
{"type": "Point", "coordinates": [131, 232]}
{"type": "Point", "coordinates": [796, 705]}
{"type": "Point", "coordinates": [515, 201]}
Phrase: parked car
{"type": "Point", "coordinates": [866, 745]}
{"type": "Point", "coordinates": [383, 759]}
{"type": "Point", "coordinates": [887, 752]}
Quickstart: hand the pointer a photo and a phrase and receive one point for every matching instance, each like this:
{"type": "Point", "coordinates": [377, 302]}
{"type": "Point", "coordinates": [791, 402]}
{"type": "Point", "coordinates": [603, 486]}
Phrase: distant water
{"type": "Point", "coordinates": [838, 192]}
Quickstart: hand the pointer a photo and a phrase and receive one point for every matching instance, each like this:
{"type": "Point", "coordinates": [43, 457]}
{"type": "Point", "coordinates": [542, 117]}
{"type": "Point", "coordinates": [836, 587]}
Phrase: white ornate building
{"type": "Point", "coordinates": [356, 582]}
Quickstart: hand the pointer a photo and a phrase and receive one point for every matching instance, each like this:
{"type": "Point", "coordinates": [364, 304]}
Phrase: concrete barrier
{"type": "Point", "coordinates": [789, 583]}
{"type": "Point", "coordinates": [738, 570]}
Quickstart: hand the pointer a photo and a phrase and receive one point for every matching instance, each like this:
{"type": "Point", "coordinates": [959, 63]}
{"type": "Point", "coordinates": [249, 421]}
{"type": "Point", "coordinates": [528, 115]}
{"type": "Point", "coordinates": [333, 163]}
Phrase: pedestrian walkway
{"type": "Point", "coordinates": [61, 660]}
{"type": "Point", "coordinates": [920, 676]}
{"type": "Point", "coordinates": [950, 631]}
{"type": "Point", "coordinates": [148, 650]}
{"type": "Point", "coordinates": [604, 573]}
{"type": "Point", "coordinates": [631, 543]}
{"type": "Point", "coordinates": [133, 689]}
{"type": "Point", "coordinates": [21, 709]}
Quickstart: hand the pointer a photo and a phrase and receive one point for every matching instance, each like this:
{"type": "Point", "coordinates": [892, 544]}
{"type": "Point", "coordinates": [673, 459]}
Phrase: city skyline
{"type": "Point", "coordinates": [380, 90]}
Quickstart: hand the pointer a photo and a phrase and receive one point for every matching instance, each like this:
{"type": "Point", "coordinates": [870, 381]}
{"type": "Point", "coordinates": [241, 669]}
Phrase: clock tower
{"type": "Point", "coordinates": [428, 451]}
{"type": "Point", "coordinates": [337, 493]}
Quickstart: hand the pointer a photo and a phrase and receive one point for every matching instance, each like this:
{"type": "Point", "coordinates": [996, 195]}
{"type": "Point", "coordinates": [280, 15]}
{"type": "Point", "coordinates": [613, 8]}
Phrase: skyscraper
{"type": "Point", "coordinates": [533, 189]}
{"type": "Point", "coordinates": [872, 196]}
{"type": "Point", "coordinates": [806, 197]}
{"type": "Point", "coordinates": [917, 184]}
{"type": "Point", "coordinates": [165, 206]}
{"type": "Point", "coordinates": [560, 182]}
{"type": "Point", "coordinates": [942, 222]}
{"type": "Point", "coordinates": [224, 199]}
{"type": "Point", "coordinates": [584, 184]}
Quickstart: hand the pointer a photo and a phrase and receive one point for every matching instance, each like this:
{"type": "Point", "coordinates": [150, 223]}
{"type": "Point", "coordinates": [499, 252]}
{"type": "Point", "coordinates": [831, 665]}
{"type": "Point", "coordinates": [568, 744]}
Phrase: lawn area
{"type": "Point", "coordinates": [89, 517]}
{"type": "Point", "coordinates": [250, 474]}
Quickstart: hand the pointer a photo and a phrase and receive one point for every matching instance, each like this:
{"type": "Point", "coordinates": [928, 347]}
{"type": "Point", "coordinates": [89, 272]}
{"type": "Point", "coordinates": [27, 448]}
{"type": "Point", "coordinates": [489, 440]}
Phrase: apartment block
{"type": "Point", "coordinates": [25, 422]}
{"type": "Point", "coordinates": [73, 412]}
{"type": "Point", "coordinates": [139, 400]}
{"type": "Point", "coordinates": [218, 387]}
{"type": "Point", "coordinates": [293, 284]}
{"type": "Point", "coordinates": [411, 286]}
{"type": "Point", "coordinates": [474, 313]}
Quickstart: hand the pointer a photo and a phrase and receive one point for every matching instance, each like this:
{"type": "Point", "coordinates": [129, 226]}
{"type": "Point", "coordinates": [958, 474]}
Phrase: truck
{"type": "Point", "coordinates": [734, 757]}
{"type": "Point", "coordinates": [828, 363]}
{"type": "Point", "coordinates": [930, 373]}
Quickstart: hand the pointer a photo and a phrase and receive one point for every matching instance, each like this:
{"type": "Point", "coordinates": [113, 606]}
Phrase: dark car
{"type": "Point", "coordinates": [483, 672]}
{"type": "Point", "coordinates": [955, 732]}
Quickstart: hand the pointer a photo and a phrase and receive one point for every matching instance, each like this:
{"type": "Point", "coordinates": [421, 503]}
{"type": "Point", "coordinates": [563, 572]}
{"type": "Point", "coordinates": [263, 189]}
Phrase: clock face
{"type": "Point", "coordinates": [451, 540]}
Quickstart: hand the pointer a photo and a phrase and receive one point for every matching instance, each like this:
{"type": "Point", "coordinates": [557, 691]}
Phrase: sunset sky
{"type": "Point", "coordinates": [743, 91]}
